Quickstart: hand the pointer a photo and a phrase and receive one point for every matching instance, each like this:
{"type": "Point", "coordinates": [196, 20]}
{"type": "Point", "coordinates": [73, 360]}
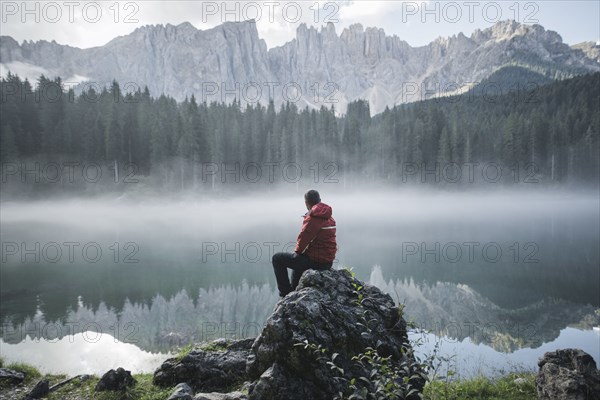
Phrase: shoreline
{"type": "Point", "coordinates": [512, 385]}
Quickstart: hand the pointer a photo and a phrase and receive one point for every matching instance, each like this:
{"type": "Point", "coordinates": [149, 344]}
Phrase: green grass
{"type": "Point", "coordinates": [142, 390]}
{"type": "Point", "coordinates": [184, 351]}
{"type": "Point", "coordinates": [206, 346]}
{"type": "Point", "coordinates": [478, 388]}
{"type": "Point", "coordinates": [483, 388]}
{"type": "Point", "coordinates": [29, 371]}
{"type": "Point", "coordinates": [212, 346]}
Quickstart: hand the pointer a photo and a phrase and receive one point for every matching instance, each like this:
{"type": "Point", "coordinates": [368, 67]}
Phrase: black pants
{"type": "Point", "coordinates": [298, 263]}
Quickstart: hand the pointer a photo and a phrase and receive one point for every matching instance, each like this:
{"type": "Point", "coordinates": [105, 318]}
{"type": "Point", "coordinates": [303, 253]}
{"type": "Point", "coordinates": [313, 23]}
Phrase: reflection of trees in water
{"type": "Point", "coordinates": [225, 311]}
{"type": "Point", "coordinates": [56, 290]}
{"type": "Point", "coordinates": [161, 322]}
{"type": "Point", "coordinates": [564, 231]}
{"type": "Point", "coordinates": [170, 263]}
{"type": "Point", "coordinates": [513, 286]}
{"type": "Point", "coordinates": [458, 312]}
{"type": "Point", "coordinates": [173, 297]}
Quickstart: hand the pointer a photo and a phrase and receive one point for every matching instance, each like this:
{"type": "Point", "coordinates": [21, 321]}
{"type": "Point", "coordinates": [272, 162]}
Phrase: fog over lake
{"type": "Point", "coordinates": [500, 275]}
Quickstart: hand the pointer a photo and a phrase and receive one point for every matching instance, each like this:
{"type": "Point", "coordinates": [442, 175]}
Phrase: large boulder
{"type": "Point", "coordinates": [306, 348]}
{"type": "Point", "coordinates": [569, 374]}
{"type": "Point", "coordinates": [219, 365]}
{"type": "Point", "coordinates": [343, 316]}
{"type": "Point", "coordinates": [115, 380]}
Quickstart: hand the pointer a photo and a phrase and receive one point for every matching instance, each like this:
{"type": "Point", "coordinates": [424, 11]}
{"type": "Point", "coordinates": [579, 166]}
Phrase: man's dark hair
{"type": "Point", "coordinates": [312, 197]}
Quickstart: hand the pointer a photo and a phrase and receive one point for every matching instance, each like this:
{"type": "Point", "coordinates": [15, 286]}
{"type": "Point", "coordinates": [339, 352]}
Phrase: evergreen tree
{"type": "Point", "coordinates": [8, 146]}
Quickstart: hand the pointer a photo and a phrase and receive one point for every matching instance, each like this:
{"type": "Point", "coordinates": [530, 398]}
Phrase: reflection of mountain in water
{"type": "Point", "coordinates": [177, 293]}
{"type": "Point", "coordinates": [453, 310]}
{"type": "Point", "coordinates": [457, 311]}
{"type": "Point", "coordinates": [224, 311]}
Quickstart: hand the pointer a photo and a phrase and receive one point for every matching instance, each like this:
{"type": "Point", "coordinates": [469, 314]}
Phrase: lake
{"type": "Point", "coordinates": [495, 277]}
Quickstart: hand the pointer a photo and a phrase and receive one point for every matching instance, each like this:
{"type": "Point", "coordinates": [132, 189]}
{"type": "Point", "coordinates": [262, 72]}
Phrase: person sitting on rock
{"type": "Point", "coordinates": [315, 248]}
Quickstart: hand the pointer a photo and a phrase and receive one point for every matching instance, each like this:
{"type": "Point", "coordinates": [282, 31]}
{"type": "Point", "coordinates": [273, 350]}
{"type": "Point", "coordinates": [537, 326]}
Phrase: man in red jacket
{"type": "Point", "coordinates": [315, 247]}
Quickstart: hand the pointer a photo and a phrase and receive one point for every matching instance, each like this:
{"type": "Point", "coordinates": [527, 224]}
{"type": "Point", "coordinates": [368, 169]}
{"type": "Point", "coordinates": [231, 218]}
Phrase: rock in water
{"type": "Point", "coordinates": [115, 380]}
{"type": "Point", "coordinates": [569, 374]}
{"type": "Point", "coordinates": [216, 366]}
{"type": "Point", "coordinates": [324, 310]}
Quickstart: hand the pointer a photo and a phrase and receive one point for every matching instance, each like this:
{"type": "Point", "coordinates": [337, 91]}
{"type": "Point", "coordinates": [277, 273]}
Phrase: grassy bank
{"type": "Point", "coordinates": [79, 389]}
{"type": "Point", "coordinates": [513, 386]}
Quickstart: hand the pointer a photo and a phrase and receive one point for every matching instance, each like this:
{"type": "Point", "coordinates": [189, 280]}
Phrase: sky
{"type": "Point", "coordinates": [94, 23]}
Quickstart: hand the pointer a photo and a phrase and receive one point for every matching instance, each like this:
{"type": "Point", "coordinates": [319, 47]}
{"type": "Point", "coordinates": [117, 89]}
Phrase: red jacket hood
{"type": "Point", "coordinates": [321, 210]}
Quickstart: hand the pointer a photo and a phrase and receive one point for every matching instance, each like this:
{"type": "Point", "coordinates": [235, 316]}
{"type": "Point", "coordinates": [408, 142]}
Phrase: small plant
{"type": "Point", "coordinates": [184, 351]}
{"type": "Point", "coordinates": [401, 310]}
{"type": "Point", "coordinates": [378, 377]}
{"type": "Point", "coordinates": [482, 387]}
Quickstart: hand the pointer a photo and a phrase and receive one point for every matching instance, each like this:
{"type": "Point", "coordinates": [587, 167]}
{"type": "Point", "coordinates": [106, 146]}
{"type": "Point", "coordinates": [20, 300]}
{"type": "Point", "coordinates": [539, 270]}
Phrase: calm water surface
{"type": "Point", "coordinates": [496, 278]}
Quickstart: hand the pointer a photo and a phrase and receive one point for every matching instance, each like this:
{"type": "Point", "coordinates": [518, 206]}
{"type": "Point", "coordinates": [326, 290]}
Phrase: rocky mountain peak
{"type": "Point", "coordinates": [590, 49]}
{"type": "Point", "coordinates": [303, 32]}
{"type": "Point", "coordinates": [508, 29]}
{"type": "Point", "coordinates": [505, 29]}
{"type": "Point", "coordinates": [329, 29]}
{"type": "Point", "coordinates": [363, 63]}
{"type": "Point", "coordinates": [353, 30]}
{"type": "Point", "coordinates": [356, 27]}
{"type": "Point", "coordinates": [248, 27]}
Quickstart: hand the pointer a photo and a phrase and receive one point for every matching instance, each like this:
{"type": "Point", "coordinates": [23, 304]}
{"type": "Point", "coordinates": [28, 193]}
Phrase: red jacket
{"type": "Point", "coordinates": [317, 237]}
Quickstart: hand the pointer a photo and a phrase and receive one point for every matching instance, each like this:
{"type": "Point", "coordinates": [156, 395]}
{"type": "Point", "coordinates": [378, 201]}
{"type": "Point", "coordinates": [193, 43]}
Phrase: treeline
{"type": "Point", "coordinates": [546, 133]}
{"type": "Point", "coordinates": [549, 133]}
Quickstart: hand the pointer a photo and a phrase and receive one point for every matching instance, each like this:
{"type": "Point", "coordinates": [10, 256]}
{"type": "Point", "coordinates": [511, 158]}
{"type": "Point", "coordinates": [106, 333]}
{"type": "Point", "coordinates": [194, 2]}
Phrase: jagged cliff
{"type": "Point", "coordinates": [360, 63]}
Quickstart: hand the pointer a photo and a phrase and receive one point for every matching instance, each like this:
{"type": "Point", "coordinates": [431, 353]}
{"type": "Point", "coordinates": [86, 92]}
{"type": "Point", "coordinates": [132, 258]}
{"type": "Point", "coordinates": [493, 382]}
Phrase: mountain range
{"type": "Point", "coordinates": [318, 67]}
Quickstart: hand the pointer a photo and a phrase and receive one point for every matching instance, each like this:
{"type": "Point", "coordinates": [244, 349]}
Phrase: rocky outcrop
{"type": "Point", "coordinates": [569, 374]}
{"type": "Point", "coordinates": [326, 310]}
{"type": "Point", "coordinates": [219, 365]}
{"type": "Point", "coordinates": [306, 348]}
